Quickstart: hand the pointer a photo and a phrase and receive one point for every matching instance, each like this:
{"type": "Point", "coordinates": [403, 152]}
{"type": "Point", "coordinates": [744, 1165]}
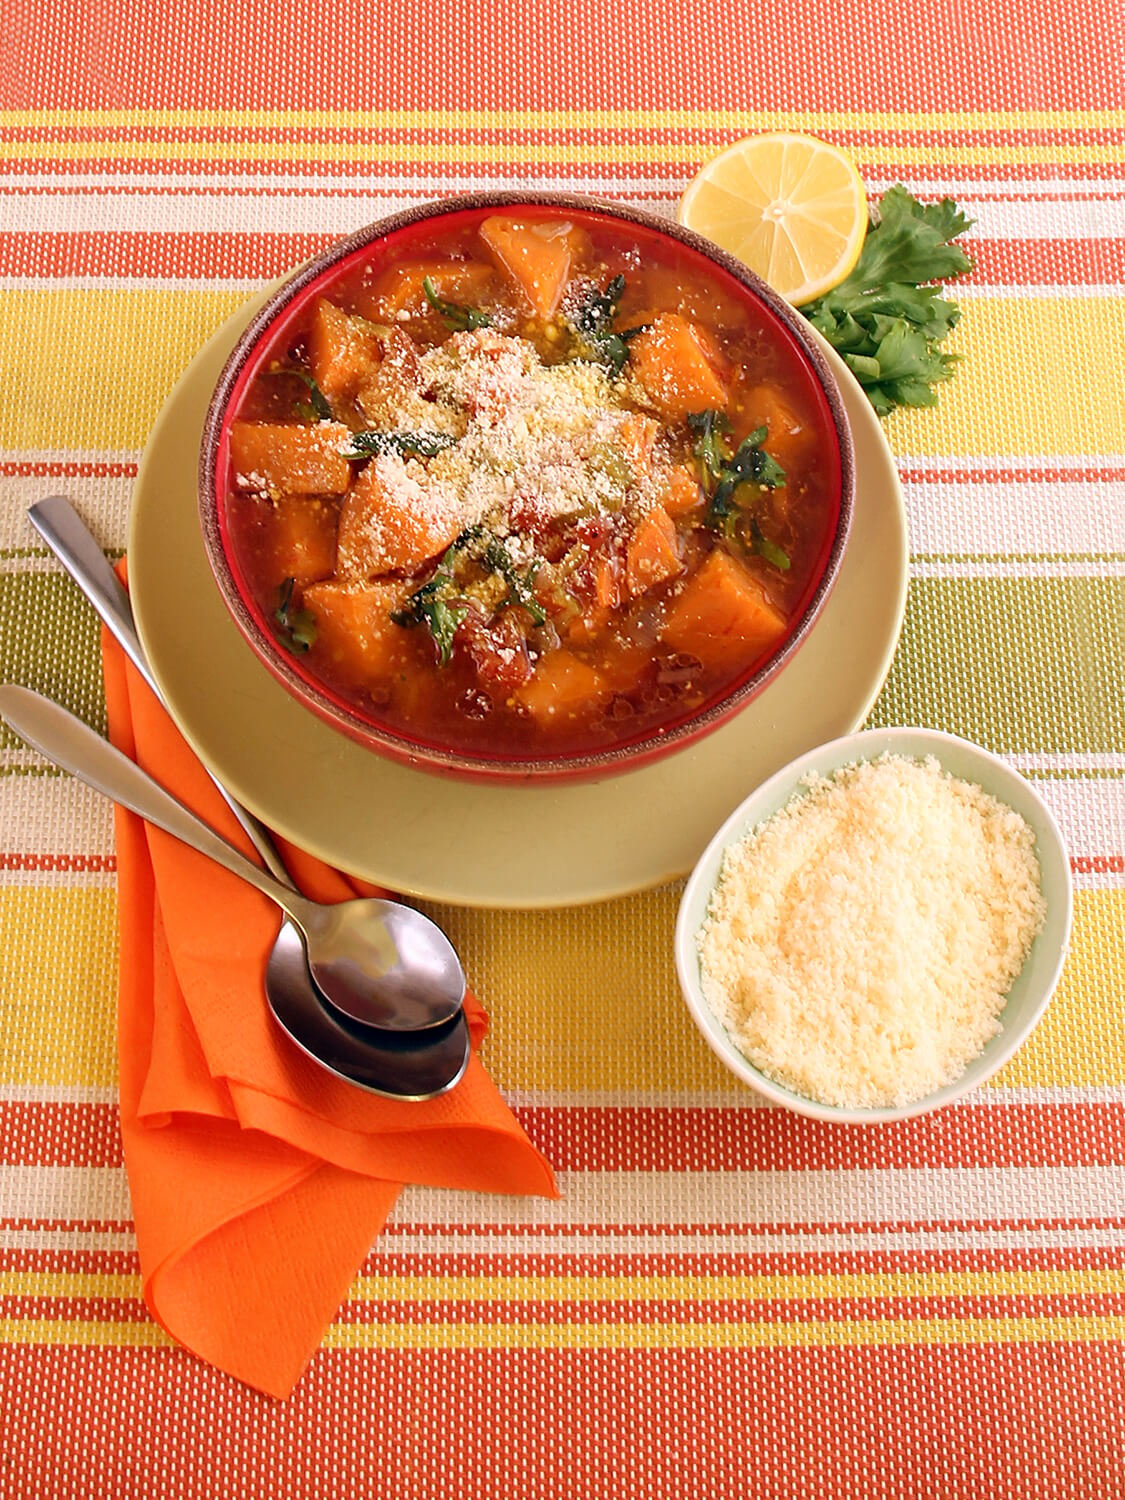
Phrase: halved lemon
{"type": "Point", "coordinates": [792, 207]}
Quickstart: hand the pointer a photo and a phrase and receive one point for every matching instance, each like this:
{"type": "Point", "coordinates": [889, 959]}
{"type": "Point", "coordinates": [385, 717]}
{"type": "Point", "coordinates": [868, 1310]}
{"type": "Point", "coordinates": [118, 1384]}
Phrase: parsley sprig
{"type": "Point", "coordinates": [734, 482]}
{"type": "Point", "coordinates": [317, 408]}
{"type": "Point", "coordinates": [887, 319]}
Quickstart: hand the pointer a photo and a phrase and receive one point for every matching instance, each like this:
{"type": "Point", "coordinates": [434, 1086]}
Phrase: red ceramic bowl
{"type": "Point", "coordinates": [380, 244]}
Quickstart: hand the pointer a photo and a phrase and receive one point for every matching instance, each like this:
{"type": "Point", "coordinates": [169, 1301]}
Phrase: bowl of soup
{"type": "Point", "coordinates": [518, 486]}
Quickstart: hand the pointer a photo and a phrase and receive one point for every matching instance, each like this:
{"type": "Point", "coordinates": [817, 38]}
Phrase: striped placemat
{"type": "Point", "coordinates": [726, 1300]}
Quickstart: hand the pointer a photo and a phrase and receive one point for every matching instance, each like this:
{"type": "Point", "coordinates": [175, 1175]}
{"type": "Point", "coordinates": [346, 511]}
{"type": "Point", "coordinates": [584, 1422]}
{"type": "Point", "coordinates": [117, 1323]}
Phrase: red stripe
{"type": "Point", "coordinates": [1018, 1421]}
{"type": "Point", "coordinates": [260, 256]}
{"type": "Point", "coordinates": [1012, 476]}
{"type": "Point", "coordinates": [584, 1139]}
{"type": "Point", "coordinates": [483, 54]}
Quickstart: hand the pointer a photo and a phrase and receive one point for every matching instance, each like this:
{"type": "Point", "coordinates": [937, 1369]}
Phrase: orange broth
{"type": "Point", "coordinates": [526, 538]}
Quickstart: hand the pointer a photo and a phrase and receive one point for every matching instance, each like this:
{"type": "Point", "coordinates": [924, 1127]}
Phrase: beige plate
{"type": "Point", "coordinates": [481, 845]}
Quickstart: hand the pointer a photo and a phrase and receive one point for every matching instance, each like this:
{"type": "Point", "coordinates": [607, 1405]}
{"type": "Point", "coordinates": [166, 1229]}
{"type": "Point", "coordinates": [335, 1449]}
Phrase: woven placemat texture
{"type": "Point", "coordinates": [726, 1300]}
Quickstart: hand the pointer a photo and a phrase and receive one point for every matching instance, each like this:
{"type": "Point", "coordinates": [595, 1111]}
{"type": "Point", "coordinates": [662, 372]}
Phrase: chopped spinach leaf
{"type": "Point", "coordinates": [297, 626]}
{"type": "Point", "coordinates": [317, 408]}
{"type": "Point", "coordinates": [436, 605]}
{"type": "Point", "coordinates": [734, 482]}
{"type": "Point", "coordinates": [597, 339]}
{"type": "Point", "coordinates": [454, 314]}
{"type": "Point", "coordinates": [420, 444]}
{"type": "Point", "coordinates": [496, 558]}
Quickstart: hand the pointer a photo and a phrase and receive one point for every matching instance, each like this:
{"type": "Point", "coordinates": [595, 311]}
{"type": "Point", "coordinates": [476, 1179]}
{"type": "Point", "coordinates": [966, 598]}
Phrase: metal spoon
{"type": "Point", "coordinates": [290, 987]}
{"type": "Point", "coordinates": [388, 959]}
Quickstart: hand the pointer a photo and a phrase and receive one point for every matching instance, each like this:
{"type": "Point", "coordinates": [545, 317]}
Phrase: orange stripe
{"type": "Point", "coordinates": [77, 864]}
{"type": "Point", "coordinates": [881, 1423]}
{"type": "Point", "coordinates": [582, 1139]}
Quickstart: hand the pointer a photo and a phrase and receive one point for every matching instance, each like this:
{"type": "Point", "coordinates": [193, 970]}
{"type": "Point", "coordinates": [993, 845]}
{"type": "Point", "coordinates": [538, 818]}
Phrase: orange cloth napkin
{"type": "Point", "coordinates": [258, 1180]}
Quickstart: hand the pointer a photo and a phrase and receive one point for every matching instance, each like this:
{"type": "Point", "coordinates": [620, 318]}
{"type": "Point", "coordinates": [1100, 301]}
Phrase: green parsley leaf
{"type": "Point", "coordinates": [436, 604]}
{"type": "Point", "coordinates": [496, 558]}
{"type": "Point", "coordinates": [884, 319]}
{"type": "Point", "coordinates": [454, 314]}
{"type": "Point", "coordinates": [736, 482]}
{"type": "Point", "coordinates": [297, 626]}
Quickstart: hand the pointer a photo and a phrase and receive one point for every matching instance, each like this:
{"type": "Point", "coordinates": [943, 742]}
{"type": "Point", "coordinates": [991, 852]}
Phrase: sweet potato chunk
{"type": "Point", "coordinates": [356, 640]}
{"type": "Point", "coordinates": [723, 616]}
{"type": "Point", "coordinates": [536, 256]}
{"type": "Point", "coordinates": [389, 523]}
{"type": "Point", "coordinates": [282, 459]}
{"type": "Point", "coordinates": [400, 290]}
{"type": "Point", "coordinates": [300, 542]}
{"type": "Point", "coordinates": [653, 554]}
{"type": "Point", "coordinates": [563, 688]}
{"type": "Point", "coordinates": [683, 492]}
{"type": "Point", "coordinates": [343, 350]}
{"type": "Point", "coordinates": [788, 438]}
{"type": "Point", "coordinates": [679, 366]}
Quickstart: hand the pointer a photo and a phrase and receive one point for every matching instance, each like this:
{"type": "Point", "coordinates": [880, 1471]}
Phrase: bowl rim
{"type": "Point", "coordinates": [862, 746]}
{"type": "Point", "coordinates": [605, 761]}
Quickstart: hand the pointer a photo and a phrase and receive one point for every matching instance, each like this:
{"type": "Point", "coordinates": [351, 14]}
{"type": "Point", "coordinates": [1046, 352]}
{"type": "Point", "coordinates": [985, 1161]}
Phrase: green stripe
{"type": "Point", "coordinates": [49, 641]}
{"type": "Point", "coordinates": [1017, 664]}
{"type": "Point", "coordinates": [1017, 557]}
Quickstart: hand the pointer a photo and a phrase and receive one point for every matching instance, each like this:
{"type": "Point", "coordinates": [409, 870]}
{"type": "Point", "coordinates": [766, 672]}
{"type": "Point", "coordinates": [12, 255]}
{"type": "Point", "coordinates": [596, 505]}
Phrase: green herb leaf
{"type": "Point", "coordinates": [497, 559]}
{"type": "Point", "coordinates": [421, 444]}
{"type": "Point", "coordinates": [317, 408]}
{"type": "Point", "coordinates": [883, 318]}
{"type": "Point", "coordinates": [436, 604]}
{"type": "Point", "coordinates": [592, 323]}
{"type": "Point", "coordinates": [762, 545]}
{"type": "Point", "coordinates": [735, 482]}
{"type": "Point", "coordinates": [297, 627]}
{"type": "Point", "coordinates": [454, 314]}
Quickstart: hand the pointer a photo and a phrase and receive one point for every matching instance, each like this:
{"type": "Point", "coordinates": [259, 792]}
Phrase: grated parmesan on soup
{"type": "Point", "coordinates": [860, 943]}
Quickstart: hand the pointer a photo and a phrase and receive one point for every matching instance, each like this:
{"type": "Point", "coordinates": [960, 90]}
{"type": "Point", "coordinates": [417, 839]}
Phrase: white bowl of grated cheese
{"type": "Point", "coordinates": [878, 928]}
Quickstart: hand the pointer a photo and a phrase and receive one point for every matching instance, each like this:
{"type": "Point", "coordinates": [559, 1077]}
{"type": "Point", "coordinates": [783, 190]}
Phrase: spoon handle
{"type": "Point", "coordinates": [64, 531]}
{"type": "Point", "coordinates": [75, 747]}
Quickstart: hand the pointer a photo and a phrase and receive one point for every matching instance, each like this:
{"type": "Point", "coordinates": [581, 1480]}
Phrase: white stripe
{"type": "Point", "coordinates": [1016, 516]}
{"type": "Point", "coordinates": [1067, 760]}
{"type": "Point", "coordinates": [74, 210]}
{"type": "Point", "coordinates": [1038, 292]}
{"type": "Point", "coordinates": [840, 1196]}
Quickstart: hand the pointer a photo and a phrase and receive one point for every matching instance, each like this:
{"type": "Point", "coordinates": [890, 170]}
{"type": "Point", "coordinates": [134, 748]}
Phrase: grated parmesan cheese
{"type": "Point", "coordinates": [860, 943]}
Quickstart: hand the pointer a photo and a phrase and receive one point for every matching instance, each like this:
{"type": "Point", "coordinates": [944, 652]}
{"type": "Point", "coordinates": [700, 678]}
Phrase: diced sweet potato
{"type": "Point", "coordinates": [723, 616]}
{"type": "Point", "coordinates": [653, 554]}
{"type": "Point", "coordinates": [389, 523]}
{"type": "Point", "coordinates": [535, 255]}
{"type": "Point", "coordinates": [356, 640]}
{"type": "Point", "coordinates": [788, 437]}
{"type": "Point", "coordinates": [683, 492]}
{"type": "Point", "coordinates": [563, 688]}
{"type": "Point", "coordinates": [400, 290]}
{"type": "Point", "coordinates": [282, 459]}
{"type": "Point", "coordinates": [343, 350]}
{"type": "Point", "coordinates": [300, 542]}
{"type": "Point", "coordinates": [635, 437]}
{"type": "Point", "coordinates": [679, 366]}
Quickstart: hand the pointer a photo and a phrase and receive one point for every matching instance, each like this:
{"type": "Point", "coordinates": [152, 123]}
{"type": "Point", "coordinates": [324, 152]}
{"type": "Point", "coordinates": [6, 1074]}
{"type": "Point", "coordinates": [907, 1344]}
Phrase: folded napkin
{"type": "Point", "coordinates": [258, 1180]}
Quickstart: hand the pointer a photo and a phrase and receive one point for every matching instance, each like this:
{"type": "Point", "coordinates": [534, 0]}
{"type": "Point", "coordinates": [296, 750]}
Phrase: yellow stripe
{"type": "Point", "coordinates": [58, 986]}
{"type": "Point", "coordinates": [94, 367]}
{"type": "Point", "coordinates": [1011, 345]}
{"type": "Point", "coordinates": [387, 1290]}
{"type": "Point", "coordinates": [562, 119]}
{"type": "Point", "coordinates": [558, 153]}
{"type": "Point", "coordinates": [597, 990]}
{"type": "Point", "coordinates": [846, 1333]}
